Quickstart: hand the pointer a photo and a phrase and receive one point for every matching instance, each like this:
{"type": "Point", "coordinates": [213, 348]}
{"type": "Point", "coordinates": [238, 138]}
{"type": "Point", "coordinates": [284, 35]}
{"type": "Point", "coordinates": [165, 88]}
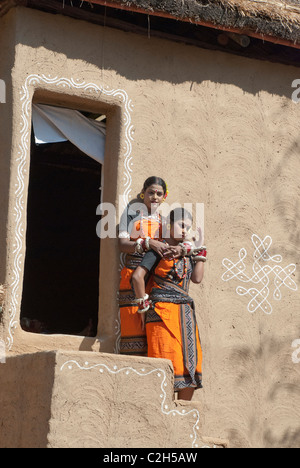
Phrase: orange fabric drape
{"type": "Point", "coordinates": [133, 337]}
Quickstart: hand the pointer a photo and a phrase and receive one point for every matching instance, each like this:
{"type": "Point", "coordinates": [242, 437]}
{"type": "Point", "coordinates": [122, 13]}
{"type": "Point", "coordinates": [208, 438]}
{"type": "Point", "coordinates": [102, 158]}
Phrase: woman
{"type": "Point", "coordinates": [171, 327]}
{"type": "Point", "coordinates": [139, 232]}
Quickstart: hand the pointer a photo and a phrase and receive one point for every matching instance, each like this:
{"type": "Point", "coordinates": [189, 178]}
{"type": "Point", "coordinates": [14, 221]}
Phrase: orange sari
{"type": "Point", "coordinates": [133, 337]}
{"type": "Point", "coordinates": [172, 331]}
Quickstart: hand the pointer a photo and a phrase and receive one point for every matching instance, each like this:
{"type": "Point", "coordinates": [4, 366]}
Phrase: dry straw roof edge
{"type": "Point", "coordinates": [273, 9]}
{"type": "Point", "coordinates": [277, 18]}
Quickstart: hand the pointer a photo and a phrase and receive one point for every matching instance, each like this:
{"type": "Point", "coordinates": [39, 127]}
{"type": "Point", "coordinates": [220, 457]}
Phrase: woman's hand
{"type": "Point", "coordinates": [173, 252]}
{"type": "Point", "coordinates": [143, 319]}
{"type": "Point", "coordinates": [159, 247]}
{"type": "Point", "coordinates": [198, 238]}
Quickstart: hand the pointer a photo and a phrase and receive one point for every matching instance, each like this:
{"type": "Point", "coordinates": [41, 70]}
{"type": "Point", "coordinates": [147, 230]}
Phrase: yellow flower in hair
{"type": "Point", "coordinates": [167, 192]}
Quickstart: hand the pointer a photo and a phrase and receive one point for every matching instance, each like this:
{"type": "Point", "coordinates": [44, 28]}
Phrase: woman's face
{"type": "Point", "coordinates": [180, 229]}
{"type": "Point", "coordinates": [153, 197]}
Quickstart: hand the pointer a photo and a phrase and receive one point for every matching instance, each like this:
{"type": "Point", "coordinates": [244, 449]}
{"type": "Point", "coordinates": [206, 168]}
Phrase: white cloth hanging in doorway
{"type": "Point", "coordinates": [57, 124]}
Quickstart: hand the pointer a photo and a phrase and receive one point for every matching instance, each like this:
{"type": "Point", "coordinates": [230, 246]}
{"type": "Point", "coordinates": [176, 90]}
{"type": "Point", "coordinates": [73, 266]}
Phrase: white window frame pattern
{"type": "Point", "coordinates": [32, 83]}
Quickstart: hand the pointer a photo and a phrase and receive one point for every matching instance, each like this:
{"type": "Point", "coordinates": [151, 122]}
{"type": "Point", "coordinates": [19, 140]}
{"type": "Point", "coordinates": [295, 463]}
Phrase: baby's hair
{"type": "Point", "coordinates": [179, 214]}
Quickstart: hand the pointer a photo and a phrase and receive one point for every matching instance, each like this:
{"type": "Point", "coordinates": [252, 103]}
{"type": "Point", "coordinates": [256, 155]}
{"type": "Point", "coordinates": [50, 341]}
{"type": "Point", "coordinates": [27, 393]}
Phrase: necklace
{"type": "Point", "coordinates": [184, 269]}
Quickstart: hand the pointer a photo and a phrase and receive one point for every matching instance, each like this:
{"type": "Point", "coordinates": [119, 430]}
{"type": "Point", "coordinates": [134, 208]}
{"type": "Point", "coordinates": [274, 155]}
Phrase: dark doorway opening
{"type": "Point", "coordinates": [61, 275]}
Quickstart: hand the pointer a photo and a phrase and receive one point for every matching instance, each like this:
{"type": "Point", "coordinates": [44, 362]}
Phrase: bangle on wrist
{"type": "Point", "coordinates": [144, 304]}
{"type": "Point", "coordinates": [141, 299]}
{"type": "Point", "coordinates": [139, 246]}
{"type": "Point", "coordinates": [197, 250]}
{"type": "Point", "coordinates": [147, 243]}
{"type": "Point", "coordinates": [201, 255]}
{"type": "Point", "coordinates": [187, 248]}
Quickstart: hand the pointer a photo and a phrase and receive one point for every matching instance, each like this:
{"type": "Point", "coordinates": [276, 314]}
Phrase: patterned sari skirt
{"type": "Point", "coordinates": [133, 336]}
{"type": "Point", "coordinates": [172, 333]}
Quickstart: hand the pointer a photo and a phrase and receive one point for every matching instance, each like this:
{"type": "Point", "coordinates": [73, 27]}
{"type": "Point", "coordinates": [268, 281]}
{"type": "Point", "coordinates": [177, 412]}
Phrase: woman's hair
{"type": "Point", "coordinates": [179, 214]}
{"type": "Point", "coordinates": [155, 181]}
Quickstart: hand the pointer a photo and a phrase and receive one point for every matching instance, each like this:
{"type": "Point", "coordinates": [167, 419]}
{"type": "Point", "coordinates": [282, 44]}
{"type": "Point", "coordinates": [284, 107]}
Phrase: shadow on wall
{"type": "Point", "coordinates": [139, 58]}
{"type": "Point", "coordinates": [6, 65]}
{"type": "Point", "coordinates": [285, 183]}
{"type": "Point", "coordinates": [25, 395]}
{"type": "Point", "coordinates": [274, 393]}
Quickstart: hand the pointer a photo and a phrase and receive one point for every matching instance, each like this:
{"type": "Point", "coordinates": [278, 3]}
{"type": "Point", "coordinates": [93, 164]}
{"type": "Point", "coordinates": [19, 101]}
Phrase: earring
{"type": "Point", "coordinates": [142, 196]}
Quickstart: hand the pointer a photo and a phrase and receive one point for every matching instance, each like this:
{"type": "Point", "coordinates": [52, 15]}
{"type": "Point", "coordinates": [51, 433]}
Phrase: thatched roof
{"type": "Point", "coordinates": [273, 20]}
{"type": "Point", "coordinates": [279, 19]}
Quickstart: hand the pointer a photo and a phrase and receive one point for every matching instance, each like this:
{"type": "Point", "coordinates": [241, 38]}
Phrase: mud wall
{"type": "Point", "coordinates": [221, 130]}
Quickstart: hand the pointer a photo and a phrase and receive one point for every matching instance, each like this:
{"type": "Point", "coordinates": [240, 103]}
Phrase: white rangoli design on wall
{"type": "Point", "coordinates": [265, 268]}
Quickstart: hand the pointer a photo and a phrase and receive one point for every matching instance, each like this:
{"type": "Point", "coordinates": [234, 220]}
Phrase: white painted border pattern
{"type": "Point", "coordinates": [163, 396]}
{"type": "Point", "coordinates": [23, 161]}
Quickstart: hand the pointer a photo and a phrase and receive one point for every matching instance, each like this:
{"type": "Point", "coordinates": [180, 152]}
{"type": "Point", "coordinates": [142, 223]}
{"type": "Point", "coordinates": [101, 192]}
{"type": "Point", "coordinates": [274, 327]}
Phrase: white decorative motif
{"type": "Point", "coordinates": [32, 82]}
{"type": "Point", "coordinates": [160, 374]}
{"type": "Point", "coordinates": [263, 267]}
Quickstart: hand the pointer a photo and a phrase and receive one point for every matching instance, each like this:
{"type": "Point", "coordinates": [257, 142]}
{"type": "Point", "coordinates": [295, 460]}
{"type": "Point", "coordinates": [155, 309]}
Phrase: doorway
{"type": "Point", "coordinates": [61, 273]}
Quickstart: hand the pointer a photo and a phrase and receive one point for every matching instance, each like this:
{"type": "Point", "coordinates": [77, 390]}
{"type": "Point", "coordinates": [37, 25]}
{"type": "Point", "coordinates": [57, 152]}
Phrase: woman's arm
{"type": "Point", "coordinates": [126, 245]}
{"type": "Point", "coordinates": [138, 281]}
{"type": "Point", "coordinates": [198, 273]}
